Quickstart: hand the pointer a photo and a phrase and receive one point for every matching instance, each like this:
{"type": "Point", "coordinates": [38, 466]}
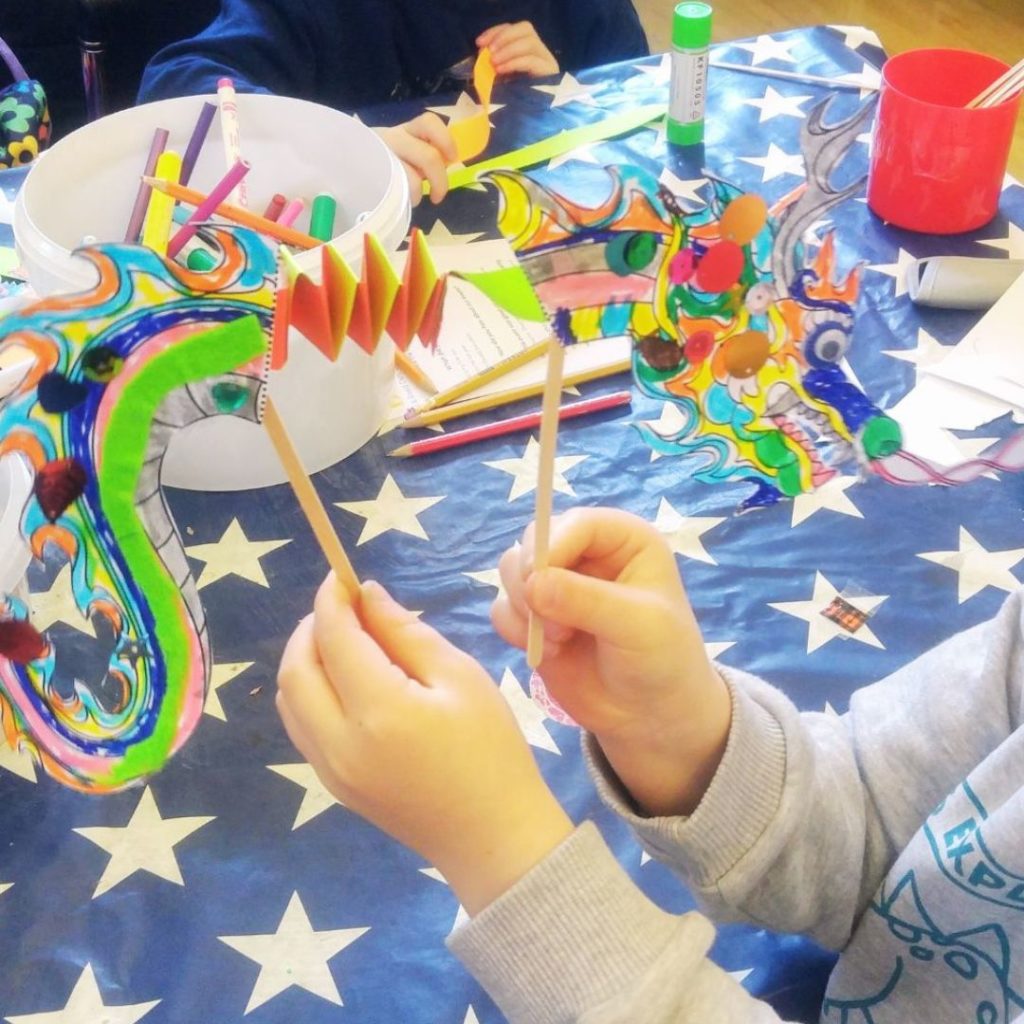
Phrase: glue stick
{"type": "Point", "coordinates": [691, 37]}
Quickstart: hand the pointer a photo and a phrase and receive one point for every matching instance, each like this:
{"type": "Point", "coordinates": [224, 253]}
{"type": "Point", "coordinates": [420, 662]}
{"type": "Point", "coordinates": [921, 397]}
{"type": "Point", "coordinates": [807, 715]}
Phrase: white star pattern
{"type": "Point", "coordinates": [716, 648]}
{"type": "Point", "coordinates": [765, 48]}
{"type": "Point", "coordinates": [661, 72]}
{"type": "Point", "coordinates": [529, 716]}
{"type": "Point", "coordinates": [316, 798]}
{"type": "Point", "coordinates": [821, 629]}
{"type": "Point", "coordinates": [295, 954]}
{"type": "Point", "coordinates": [830, 495]}
{"type": "Point", "coordinates": [868, 79]}
{"type": "Point", "coordinates": [57, 604]}
{"type": "Point", "coordinates": [488, 577]}
{"type": "Point", "coordinates": [464, 108]}
{"type": "Point", "coordinates": [857, 35]}
{"type": "Point", "coordinates": [219, 675]}
{"type": "Point", "coordinates": [524, 470]}
{"type": "Point", "coordinates": [1012, 244]}
{"type": "Point", "coordinates": [927, 352]}
{"type": "Point", "coordinates": [146, 843]}
{"type": "Point", "coordinates": [439, 234]}
{"type": "Point", "coordinates": [233, 555]}
{"type": "Point", "coordinates": [85, 1006]}
{"type": "Point", "coordinates": [4, 886]}
{"type": "Point", "coordinates": [569, 90]}
{"type": "Point", "coordinates": [684, 533]}
{"type": "Point", "coordinates": [390, 510]}
{"type": "Point", "coordinates": [582, 154]}
{"type": "Point", "coordinates": [776, 162]}
{"type": "Point", "coordinates": [976, 567]}
{"type": "Point", "coordinates": [685, 189]}
{"type": "Point", "coordinates": [897, 271]}
{"type": "Point", "coordinates": [775, 104]}
{"type": "Point", "coordinates": [671, 421]}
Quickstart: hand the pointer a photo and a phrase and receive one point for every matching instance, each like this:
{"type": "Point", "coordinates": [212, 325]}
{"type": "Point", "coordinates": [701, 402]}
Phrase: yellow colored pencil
{"type": "Point", "coordinates": [478, 380]}
{"type": "Point", "coordinates": [499, 398]}
{"type": "Point", "coordinates": [247, 218]}
{"type": "Point", "coordinates": [415, 373]}
{"type": "Point", "coordinates": [156, 228]}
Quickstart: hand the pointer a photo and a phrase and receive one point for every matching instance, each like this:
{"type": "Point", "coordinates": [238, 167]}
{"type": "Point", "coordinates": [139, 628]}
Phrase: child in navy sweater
{"type": "Point", "coordinates": [353, 53]}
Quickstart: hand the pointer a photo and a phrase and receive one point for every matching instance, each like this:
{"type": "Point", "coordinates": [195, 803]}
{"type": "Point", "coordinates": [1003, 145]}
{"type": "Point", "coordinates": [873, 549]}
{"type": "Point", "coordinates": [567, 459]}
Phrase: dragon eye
{"type": "Point", "coordinates": [829, 343]}
{"type": "Point", "coordinates": [631, 251]}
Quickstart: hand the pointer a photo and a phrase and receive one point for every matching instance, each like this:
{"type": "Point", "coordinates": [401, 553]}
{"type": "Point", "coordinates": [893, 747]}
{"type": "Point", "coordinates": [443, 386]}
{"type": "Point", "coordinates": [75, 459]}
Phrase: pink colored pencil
{"type": "Point", "coordinates": [205, 210]}
{"type": "Point", "coordinates": [515, 423]}
{"type": "Point", "coordinates": [290, 214]}
{"type": "Point", "coordinates": [275, 206]}
{"type": "Point", "coordinates": [138, 214]}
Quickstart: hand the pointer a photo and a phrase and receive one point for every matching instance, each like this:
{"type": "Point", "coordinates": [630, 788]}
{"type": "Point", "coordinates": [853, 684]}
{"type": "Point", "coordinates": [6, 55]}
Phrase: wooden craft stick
{"type": "Point", "coordinates": [499, 369]}
{"type": "Point", "coordinates": [309, 501]}
{"type": "Point", "coordinates": [1001, 89]}
{"type": "Point", "coordinates": [235, 213]}
{"type": "Point", "coordinates": [545, 487]}
{"type": "Point", "coordinates": [499, 398]}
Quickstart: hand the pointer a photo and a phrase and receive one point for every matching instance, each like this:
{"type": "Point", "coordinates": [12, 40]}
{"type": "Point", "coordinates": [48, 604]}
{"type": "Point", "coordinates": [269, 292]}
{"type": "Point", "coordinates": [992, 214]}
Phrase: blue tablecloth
{"type": "Point", "coordinates": [233, 841]}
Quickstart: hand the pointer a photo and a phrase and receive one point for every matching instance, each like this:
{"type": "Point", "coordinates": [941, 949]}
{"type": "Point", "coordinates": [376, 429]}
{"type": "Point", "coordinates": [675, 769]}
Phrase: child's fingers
{"type": "Point", "coordinates": [603, 540]}
{"type": "Point", "coordinates": [353, 662]}
{"type": "Point", "coordinates": [315, 706]}
{"type": "Point", "coordinates": [431, 129]}
{"type": "Point", "coordinates": [485, 38]}
{"type": "Point", "coordinates": [533, 65]}
{"type": "Point", "coordinates": [519, 46]}
{"type": "Point", "coordinates": [414, 647]}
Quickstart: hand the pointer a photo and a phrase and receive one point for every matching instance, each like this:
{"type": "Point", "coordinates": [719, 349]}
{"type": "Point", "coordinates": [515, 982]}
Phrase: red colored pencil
{"type": "Point", "coordinates": [525, 422]}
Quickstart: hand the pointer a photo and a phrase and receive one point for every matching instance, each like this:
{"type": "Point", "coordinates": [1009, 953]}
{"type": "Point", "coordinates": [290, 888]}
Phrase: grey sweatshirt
{"type": "Point", "coordinates": [894, 833]}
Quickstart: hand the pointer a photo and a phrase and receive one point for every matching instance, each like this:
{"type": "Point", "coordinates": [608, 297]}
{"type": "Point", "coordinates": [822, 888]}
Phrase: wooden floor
{"type": "Point", "coordinates": [991, 26]}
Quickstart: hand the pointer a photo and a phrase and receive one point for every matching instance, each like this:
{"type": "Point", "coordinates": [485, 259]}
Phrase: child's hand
{"type": "Point", "coordinates": [411, 733]}
{"type": "Point", "coordinates": [517, 49]}
{"type": "Point", "coordinates": [426, 148]}
{"type": "Point", "coordinates": [623, 654]}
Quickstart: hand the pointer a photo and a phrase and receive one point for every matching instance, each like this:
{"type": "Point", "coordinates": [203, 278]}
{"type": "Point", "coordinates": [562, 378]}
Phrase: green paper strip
{"type": "Point", "coordinates": [206, 354]}
{"type": "Point", "coordinates": [509, 289]}
{"type": "Point", "coordinates": [563, 142]}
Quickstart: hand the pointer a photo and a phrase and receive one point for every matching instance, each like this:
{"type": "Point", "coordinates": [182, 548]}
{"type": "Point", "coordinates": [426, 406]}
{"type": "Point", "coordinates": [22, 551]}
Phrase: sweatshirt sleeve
{"type": "Point", "coordinates": [263, 46]}
{"type": "Point", "coordinates": [576, 941]}
{"type": "Point", "coordinates": [807, 812]}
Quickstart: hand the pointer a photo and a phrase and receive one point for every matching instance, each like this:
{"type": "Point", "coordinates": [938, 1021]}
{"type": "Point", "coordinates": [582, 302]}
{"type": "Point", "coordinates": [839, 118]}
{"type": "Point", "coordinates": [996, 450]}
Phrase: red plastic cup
{"type": "Point", "coordinates": [936, 166]}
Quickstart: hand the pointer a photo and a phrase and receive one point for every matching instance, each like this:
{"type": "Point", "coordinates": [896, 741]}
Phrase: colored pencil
{"type": "Point", "coordinates": [514, 424]}
{"type": "Point", "coordinates": [545, 488]}
{"type": "Point", "coordinates": [138, 214]}
{"type": "Point", "coordinates": [205, 209]}
{"type": "Point", "coordinates": [195, 143]}
{"type": "Point", "coordinates": [231, 134]}
{"type": "Point", "coordinates": [235, 213]}
{"type": "Point", "coordinates": [156, 228]}
{"type": "Point", "coordinates": [477, 380]}
{"type": "Point", "coordinates": [418, 376]}
{"type": "Point", "coordinates": [499, 398]}
{"type": "Point", "coordinates": [309, 501]}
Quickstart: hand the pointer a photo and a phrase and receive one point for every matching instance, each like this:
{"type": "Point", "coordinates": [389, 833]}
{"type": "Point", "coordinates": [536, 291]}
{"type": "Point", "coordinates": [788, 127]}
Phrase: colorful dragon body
{"type": "Point", "coordinates": [113, 374]}
{"type": "Point", "coordinates": [732, 318]}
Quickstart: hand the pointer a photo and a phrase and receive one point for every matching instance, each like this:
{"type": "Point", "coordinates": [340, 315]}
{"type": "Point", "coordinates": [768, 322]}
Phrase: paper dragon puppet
{"type": "Point", "coordinates": [734, 320]}
{"type": "Point", "coordinates": [112, 374]}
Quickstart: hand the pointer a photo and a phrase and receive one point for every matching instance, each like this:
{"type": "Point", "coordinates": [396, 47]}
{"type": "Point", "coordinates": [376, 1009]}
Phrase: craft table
{"type": "Point", "coordinates": [234, 887]}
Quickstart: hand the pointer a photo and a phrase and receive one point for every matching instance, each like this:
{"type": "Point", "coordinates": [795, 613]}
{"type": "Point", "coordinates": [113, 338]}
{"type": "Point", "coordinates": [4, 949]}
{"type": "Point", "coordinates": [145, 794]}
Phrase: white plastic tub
{"type": "Point", "coordinates": [86, 185]}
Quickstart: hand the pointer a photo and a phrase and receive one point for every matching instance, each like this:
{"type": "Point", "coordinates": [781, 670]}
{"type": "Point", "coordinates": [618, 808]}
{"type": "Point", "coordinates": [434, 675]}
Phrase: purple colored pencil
{"type": "Point", "coordinates": [138, 215]}
{"type": "Point", "coordinates": [204, 211]}
{"type": "Point", "coordinates": [195, 144]}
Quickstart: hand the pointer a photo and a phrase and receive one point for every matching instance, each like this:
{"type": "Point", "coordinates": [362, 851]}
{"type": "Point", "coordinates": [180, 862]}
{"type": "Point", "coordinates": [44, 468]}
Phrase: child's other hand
{"type": "Point", "coordinates": [426, 148]}
{"type": "Point", "coordinates": [517, 49]}
{"type": "Point", "coordinates": [411, 733]}
{"type": "Point", "coordinates": [623, 653]}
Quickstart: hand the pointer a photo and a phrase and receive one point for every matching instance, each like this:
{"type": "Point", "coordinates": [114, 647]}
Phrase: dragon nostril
{"type": "Point", "coordinates": [746, 353]}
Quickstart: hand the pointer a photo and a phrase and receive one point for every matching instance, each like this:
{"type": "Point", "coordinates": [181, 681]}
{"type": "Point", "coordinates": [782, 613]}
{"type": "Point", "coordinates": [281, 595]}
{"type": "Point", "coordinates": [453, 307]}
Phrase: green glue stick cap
{"type": "Point", "coordinates": [691, 25]}
{"type": "Point", "coordinates": [200, 260]}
